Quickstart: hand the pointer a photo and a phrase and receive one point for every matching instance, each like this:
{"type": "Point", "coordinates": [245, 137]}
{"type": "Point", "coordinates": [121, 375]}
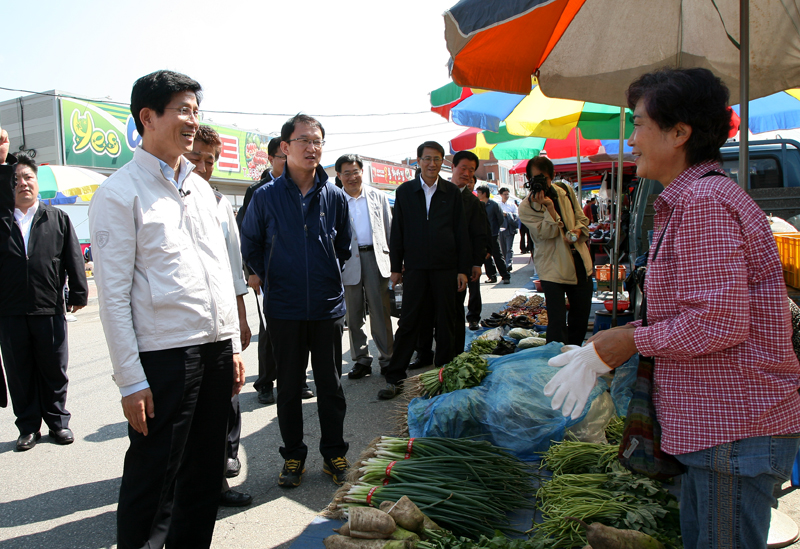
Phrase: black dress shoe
{"type": "Point", "coordinates": [306, 393]}
{"type": "Point", "coordinates": [62, 436]}
{"type": "Point", "coordinates": [266, 396]}
{"type": "Point", "coordinates": [417, 364]}
{"type": "Point", "coordinates": [491, 280]}
{"type": "Point", "coordinates": [233, 467]}
{"type": "Point", "coordinates": [474, 325]}
{"type": "Point", "coordinates": [359, 371]}
{"type": "Point", "coordinates": [390, 391]}
{"type": "Point", "coordinates": [26, 442]}
{"type": "Point", "coordinates": [232, 498]}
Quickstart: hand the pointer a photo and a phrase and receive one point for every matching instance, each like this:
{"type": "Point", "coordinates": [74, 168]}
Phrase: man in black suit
{"type": "Point", "coordinates": [495, 217]}
{"type": "Point", "coordinates": [464, 165]}
{"type": "Point", "coordinates": [430, 254]}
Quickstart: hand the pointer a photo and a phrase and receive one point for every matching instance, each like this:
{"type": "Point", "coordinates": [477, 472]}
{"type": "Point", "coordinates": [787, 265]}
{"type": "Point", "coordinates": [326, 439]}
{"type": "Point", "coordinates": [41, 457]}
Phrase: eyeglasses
{"type": "Point", "coordinates": [304, 142]}
{"type": "Point", "coordinates": [350, 174]}
{"type": "Point", "coordinates": [279, 156]}
{"type": "Point", "coordinates": [434, 159]}
{"type": "Point", "coordinates": [186, 112]}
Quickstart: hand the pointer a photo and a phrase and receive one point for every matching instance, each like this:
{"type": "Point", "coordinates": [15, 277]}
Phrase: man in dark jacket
{"type": "Point", "coordinates": [464, 165]}
{"type": "Point", "coordinates": [38, 249]}
{"type": "Point", "coordinates": [430, 253]}
{"type": "Point", "coordinates": [296, 237]}
{"type": "Point", "coordinates": [495, 216]}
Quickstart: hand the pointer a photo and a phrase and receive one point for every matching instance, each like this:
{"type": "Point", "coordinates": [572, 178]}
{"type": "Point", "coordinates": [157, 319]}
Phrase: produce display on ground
{"type": "Point", "coordinates": [464, 485]}
{"type": "Point", "coordinates": [464, 371]}
{"type": "Point", "coordinates": [520, 312]}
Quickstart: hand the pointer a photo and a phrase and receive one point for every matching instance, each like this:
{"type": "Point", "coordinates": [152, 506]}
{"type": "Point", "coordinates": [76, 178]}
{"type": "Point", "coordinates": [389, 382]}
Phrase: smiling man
{"type": "Point", "coordinates": [38, 249]}
{"type": "Point", "coordinates": [296, 238]}
{"type": "Point", "coordinates": [168, 308]}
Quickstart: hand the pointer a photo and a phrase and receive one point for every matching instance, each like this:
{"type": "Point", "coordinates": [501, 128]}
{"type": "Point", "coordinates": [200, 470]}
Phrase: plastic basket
{"type": "Point", "coordinates": [789, 251]}
{"type": "Point", "coordinates": [603, 272]}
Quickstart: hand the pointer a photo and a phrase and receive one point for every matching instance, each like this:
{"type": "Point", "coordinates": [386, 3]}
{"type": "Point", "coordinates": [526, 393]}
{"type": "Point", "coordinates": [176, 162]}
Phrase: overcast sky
{"type": "Point", "coordinates": [319, 57]}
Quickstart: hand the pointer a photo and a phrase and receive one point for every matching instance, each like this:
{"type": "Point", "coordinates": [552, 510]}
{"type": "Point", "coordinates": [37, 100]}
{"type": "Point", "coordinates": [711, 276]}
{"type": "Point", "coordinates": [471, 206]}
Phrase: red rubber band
{"type": "Point", "coordinates": [389, 469]}
{"type": "Point", "coordinates": [369, 495]}
{"type": "Point", "coordinates": [440, 374]}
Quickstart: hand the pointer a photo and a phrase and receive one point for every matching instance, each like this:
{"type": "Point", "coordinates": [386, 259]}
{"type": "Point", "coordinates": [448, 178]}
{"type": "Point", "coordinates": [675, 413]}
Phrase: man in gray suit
{"type": "Point", "coordinates": [366, 273]}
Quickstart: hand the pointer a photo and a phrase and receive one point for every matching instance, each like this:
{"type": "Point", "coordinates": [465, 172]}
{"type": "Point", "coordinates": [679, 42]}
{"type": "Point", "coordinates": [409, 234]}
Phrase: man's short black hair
{"type": "Point", "coordinates": [503, 190]}
{"type": "Point", "coordinates": [25, 160]}
{"type": "Point", "coordinates": [348, 159]}
{"type": "Point", "coordinates": [469, 155]}
{"type": "Point", "coordinates": [693, 96]}
{"type": "Point", "coordinates": [155, 91]}
{"type": "Point", "coordinates": [430, 145]}
{"type": "Point", "coordinates": [274, 145]}
{"type": "Point", "coordinates": [592, 199]}
{"type": "Point", "coordinates": [484, 189]}
{"type": "Point", "coordinates": [543, 164]}
{"type": "Point", "coordinates": [288, 128]}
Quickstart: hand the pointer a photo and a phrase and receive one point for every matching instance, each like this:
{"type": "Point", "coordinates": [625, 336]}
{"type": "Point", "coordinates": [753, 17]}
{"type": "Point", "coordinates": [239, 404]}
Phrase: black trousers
{"type": "Point", "coordinates": [35, 355]}
{"type": "Point", "coordinates": [499, 263]}
{"type": "Point", "coordinates": [426, 329]}
{"type": "Point", "coordinates": [525, 240]}
{"type": "Point", "coordinates": [172, 477]}
{"type": "Point", "coordinates": [234, 428]}
{"type": "Point", "coordinates": [293, 341]}
{"type": "Point", "coordinates": [572, 330]}
{"type": "Point", "coordinates": [425, 293]}
{"type": "Point", "coordinates": [266, 359]}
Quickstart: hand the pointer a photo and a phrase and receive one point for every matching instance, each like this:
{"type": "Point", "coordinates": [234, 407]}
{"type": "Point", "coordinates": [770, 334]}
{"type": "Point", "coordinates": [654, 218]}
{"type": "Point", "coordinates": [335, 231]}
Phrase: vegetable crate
{"type": "Point", "coordinates": [789, 250]}
{"type": "Point", "coordinates": [603, 275]}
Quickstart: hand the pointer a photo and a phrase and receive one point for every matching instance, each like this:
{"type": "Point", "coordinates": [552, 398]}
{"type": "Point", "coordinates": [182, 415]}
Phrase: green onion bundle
{"type": "Point", "coordinates": [464, 371]}
{"type": "Point", "coordinates": [482, 346]}
{"type": "Point", "coordinates": [464, 485]}
{"type": "Point", "coordinates": [570, 456]}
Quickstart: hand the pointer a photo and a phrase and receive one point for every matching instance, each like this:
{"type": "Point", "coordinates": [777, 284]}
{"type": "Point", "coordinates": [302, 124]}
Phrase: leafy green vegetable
{"type": "Point", "coordinates": [464, 371]}
{"type": "Point", "coordinates": [482, 346]}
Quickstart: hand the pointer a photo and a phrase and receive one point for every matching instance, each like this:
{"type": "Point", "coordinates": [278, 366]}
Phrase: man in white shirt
{"type": "Point", "coordinates": [38, 249]}
{"type": "Point", "coordinates": [366, 273]}
{"type": "Point", "coordinates": [168, 308]}
{"type": "Point", "coordinates": [205, 152]}
{"type": "Point", "coordinates": [509, 228]}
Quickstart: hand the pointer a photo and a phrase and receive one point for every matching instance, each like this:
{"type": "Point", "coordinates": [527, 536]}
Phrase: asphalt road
{"type": "Point", "coordinates": [65, 497]}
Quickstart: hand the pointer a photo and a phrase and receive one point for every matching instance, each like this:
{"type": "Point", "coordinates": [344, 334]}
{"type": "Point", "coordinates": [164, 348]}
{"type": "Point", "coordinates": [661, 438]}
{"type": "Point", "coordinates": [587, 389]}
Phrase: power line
{"type": "Point", "coordinates": [384, 142]}
{"type": "Point", "coordinates": [389, 131]}
{"type": "Point", "coordinates": [220, 112]}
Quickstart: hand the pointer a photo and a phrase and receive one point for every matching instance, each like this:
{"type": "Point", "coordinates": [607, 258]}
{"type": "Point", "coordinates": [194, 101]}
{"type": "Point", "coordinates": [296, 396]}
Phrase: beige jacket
{"type": "Point", "coordinates": [552, 256]}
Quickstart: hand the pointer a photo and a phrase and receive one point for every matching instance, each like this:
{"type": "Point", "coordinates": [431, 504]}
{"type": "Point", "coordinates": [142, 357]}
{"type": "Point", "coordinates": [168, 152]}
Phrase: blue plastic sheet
{"type": "Point", "coordinates": [508, 408]}
{"type": "Point", "coordinates": [622, 385]}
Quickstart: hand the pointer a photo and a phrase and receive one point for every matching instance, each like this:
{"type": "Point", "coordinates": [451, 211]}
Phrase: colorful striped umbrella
{"type": "Point", "coordinates": [532, 115]}
{"type": "Point", "coordinates": [69, 181]}
{"type": "Point", "coordinates": [517, 148]}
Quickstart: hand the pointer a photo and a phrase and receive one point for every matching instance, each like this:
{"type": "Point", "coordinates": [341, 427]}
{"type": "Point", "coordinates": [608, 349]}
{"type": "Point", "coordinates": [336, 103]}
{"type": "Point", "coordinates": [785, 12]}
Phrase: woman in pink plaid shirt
{"type": "Point", "coordinates": [726, 377]}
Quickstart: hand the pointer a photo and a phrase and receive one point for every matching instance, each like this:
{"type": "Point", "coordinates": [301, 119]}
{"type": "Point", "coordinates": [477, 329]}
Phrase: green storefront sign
{"type": "Point", "coordinates": [103, 135]}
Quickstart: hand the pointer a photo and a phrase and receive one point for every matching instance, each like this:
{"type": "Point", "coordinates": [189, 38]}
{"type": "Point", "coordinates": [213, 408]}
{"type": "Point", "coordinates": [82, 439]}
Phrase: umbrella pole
{"type": "Point", "coordinates": [617, 218]}
{"type": "Point", "coordinates": [578, 153]}
{"type": "Point", "coordinates": [744, 95]}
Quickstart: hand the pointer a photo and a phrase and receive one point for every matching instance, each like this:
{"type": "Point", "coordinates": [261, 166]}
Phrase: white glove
{"type": "Point", "coordinates": [580, 367]}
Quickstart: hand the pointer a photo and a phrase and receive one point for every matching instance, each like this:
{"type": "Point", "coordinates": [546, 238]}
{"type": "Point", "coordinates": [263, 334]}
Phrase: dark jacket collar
{"type": "Point", "coordinates": [320, 179]}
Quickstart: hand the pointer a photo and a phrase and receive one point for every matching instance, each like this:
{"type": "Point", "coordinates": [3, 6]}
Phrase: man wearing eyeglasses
{"type": "Point", "coordinates": [366, 273]}
{"type": "Point", "coordinates": [430, 254]}
{"type": "Point", "coordinates": [296, 237]}
{"type": "Point", "coordinates": [264, 385]}
{"type": "Point", "coordinates": [168, 309]}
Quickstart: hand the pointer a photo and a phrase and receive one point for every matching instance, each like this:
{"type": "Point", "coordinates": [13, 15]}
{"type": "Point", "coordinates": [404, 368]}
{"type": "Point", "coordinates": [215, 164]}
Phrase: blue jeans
{"type": "Point", "coordinates": [727, 491]}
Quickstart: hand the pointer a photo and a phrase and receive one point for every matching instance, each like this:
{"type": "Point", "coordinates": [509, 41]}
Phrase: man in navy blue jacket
{"type": "Point", "coordinates": [296, 237]}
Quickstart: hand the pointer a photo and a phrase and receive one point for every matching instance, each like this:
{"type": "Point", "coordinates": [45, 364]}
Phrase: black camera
{"type": "Point", "coordinates": [537, 184]}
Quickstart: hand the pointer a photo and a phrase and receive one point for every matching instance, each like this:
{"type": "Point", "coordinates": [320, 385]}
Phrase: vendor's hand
{"type": "Point", "coordinates": [74, 308]}
{"type": "Point", "coordinates": [396, 278]}
{"type": "Point", "coordinates": [5, 143]}
{"type": "Point", "coordinates": [137, 408]}
{"type": "Point", "coordinates": [476, 274]}
{"type": "Point", "coordinates": [254, 282]}
{"type": "Point", "coordinates": [238, 374]}
{"type": "Point", "coordinates": [572, 384]}
{"type": "Point", "coordinates": [462, 282]}
{"type": "Point", "coordinates": [616, 345]}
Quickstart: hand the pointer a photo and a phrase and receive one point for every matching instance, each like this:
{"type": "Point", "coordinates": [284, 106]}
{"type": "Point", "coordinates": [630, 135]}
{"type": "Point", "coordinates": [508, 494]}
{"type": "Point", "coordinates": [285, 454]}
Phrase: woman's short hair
{"type": "Point", "coordinates": [693, 96]}
{"type": "Point", "coordinates": [543, 164]}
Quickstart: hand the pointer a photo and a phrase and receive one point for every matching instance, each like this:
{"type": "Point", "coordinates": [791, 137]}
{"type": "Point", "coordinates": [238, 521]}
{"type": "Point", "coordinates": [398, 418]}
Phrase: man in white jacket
{"type": "Point", "coordinates": [168, 308]}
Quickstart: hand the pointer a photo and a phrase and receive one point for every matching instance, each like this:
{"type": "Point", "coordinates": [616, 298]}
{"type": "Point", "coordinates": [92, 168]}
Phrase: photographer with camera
{"type": "Point", "coordinates": [559, 230]}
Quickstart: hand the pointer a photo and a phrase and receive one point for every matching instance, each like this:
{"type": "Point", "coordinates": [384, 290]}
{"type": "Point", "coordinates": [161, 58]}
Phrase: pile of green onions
{"type": "Point", "coordinates": [464, 485]}
{"type": "Point", "coordinates": [573, 457]}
